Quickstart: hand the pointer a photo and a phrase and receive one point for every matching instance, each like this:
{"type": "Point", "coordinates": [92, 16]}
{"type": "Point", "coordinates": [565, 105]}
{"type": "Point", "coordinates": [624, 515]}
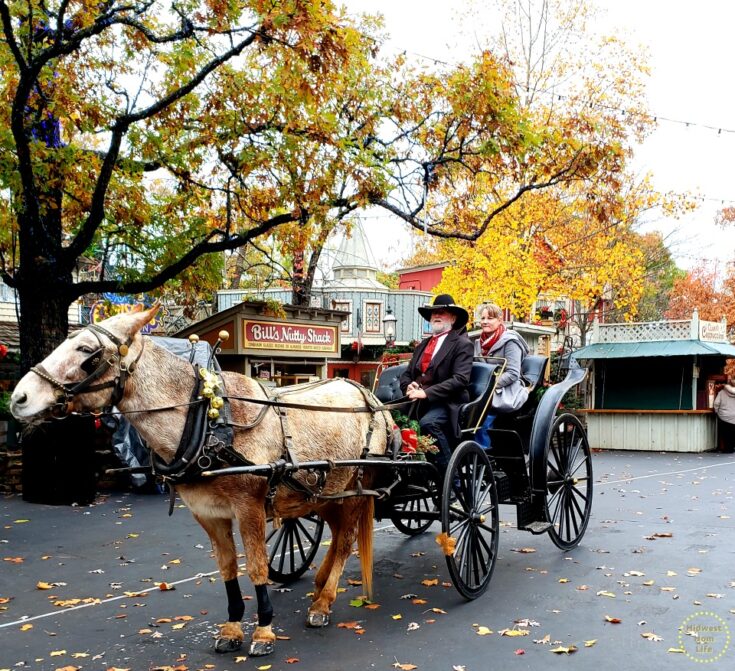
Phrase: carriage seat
{"type": "Point", "coordinates": [532, 370]}
{"type": "Point", "coordinates": [481, 386]}
{"type": "Point", "coordinates": [388, 388]}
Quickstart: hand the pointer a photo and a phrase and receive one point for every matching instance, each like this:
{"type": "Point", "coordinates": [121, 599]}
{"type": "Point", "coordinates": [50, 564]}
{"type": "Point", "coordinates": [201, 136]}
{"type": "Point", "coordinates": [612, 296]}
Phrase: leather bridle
{"type": "Point", "coordinates": [95, 365]}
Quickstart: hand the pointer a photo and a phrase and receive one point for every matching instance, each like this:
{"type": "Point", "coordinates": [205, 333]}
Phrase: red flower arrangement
{"type": "Point", "coordinates": [3, 351]}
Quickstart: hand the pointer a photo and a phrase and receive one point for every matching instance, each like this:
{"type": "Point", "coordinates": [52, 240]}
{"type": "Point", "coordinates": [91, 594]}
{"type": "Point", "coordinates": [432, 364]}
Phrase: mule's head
{"type": "Point", "coordinates": [80, 373]}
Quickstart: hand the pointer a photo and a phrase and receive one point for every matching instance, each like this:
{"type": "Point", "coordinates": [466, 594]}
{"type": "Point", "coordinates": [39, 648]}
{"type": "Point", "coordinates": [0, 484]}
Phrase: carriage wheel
{"type": "Point", "coordinates": [569, 482]}
{"type": "Point", "coordinates": [417, 504]}
{"type": "Point", "coordinates": [293, 547]}
{"type": "Point", "coordinates": [472, 520]}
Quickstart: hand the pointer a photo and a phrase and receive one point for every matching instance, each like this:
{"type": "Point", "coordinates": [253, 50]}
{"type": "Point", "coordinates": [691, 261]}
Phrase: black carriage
{"type": "Point", "coordinates": [539, 461]}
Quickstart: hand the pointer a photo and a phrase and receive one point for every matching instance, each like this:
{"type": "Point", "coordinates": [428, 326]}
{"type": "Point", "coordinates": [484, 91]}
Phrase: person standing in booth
{"type": "Point", "coordinates": [725, 410]}
{"type": "Point", "coordinates": [439, 373]}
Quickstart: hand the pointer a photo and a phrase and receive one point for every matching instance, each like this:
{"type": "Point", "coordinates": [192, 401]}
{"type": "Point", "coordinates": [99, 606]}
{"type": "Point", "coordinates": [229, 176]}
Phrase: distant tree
{"type": "Point", "coordinates": [661, 272]}
{"type": "Point", "coordinates": [707, 290]}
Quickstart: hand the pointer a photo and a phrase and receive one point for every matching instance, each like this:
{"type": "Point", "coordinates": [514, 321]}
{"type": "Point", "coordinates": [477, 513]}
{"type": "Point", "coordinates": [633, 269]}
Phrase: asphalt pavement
{"type": "Point", "coordinates": [651, 586]}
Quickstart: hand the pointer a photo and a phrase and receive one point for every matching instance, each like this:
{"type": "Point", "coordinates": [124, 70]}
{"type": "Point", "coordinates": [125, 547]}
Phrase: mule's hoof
{"type": "Point", "coordinates": [227, 644]}
{"type": "Point", "coordinates": [260, 648]}
{"type": "Point", "coordinates": [316, 620]}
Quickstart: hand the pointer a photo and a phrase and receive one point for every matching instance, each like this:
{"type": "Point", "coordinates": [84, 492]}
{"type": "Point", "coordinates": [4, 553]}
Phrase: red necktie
{"type": "Point", "coordinates": [428, 353]}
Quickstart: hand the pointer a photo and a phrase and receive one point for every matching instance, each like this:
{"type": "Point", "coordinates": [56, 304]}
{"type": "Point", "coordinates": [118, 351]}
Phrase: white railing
{"type": "Point", "coordinates": [681, 329]}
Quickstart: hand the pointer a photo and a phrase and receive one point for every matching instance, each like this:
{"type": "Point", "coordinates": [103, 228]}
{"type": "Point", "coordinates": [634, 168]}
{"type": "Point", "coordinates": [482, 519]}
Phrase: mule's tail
{"type": "Point", "coordinates": [365, 545]}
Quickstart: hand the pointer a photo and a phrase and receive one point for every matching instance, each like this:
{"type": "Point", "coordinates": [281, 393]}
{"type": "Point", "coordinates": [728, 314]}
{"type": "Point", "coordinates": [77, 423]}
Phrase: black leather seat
{"type": "Point", "coordinates": [480, 388]}
{"type": "Point", "coordinates": [388, 388]}
{"type": "Point", "coordinates": [532, 370]}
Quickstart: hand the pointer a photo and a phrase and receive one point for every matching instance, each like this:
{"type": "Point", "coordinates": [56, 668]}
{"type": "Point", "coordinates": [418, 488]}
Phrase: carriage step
{"type": "Point", "coordinates": [537, 527]}
{"type": "Point", "coordinates": [502, 485]}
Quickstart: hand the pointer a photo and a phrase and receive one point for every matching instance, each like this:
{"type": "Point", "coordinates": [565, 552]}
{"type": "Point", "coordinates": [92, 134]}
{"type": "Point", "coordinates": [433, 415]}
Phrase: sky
{"type": "Point", "coordinates": [691, 55]}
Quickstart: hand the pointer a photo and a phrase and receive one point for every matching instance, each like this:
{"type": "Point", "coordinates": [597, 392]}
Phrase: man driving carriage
{"type": "Point", "coordinates": [439, 373]}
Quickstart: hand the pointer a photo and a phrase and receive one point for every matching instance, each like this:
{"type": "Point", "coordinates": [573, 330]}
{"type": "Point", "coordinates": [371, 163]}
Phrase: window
{"type": "Point", "coordinates": [344, 306]}
{"type": "Point", "coordinates": [341, 372]}
{"type": "Point", "coordinates": [373, 317]}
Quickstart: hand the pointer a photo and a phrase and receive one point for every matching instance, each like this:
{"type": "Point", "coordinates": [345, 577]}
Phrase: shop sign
{"type": "Point", "coordinates": [712, 331]}
{"type": "Point", "coordinates": [284, 336]}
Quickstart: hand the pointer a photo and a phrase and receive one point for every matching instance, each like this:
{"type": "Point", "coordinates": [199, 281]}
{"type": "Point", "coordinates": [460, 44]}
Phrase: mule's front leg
{"type": "Point", "coordinates": [252, 529]}
{"type": "Point", "coordinates": [219, 531]}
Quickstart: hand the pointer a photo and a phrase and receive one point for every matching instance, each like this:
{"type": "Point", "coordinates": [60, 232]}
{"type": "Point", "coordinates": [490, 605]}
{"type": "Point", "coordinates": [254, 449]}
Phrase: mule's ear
{"type": "Point", "coordinates": [141, 318]}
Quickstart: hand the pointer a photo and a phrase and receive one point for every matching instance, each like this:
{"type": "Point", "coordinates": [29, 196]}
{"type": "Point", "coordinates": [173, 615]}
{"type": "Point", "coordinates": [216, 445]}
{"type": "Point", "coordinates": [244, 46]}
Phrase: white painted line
{"type": "Point", "coordinates": [198, 576]}
{"type": "Point", "coordinates": [660, 475]}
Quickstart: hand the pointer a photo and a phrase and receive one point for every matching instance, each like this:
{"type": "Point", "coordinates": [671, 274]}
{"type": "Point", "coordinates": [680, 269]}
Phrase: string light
{"type": "Point", "coordinates": [592, 105]}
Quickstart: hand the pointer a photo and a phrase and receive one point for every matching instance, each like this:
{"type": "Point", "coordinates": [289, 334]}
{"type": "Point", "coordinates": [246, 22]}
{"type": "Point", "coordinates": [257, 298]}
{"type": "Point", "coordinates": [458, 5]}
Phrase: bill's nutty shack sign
{"type": "Point", "coordinates": [285, 336]}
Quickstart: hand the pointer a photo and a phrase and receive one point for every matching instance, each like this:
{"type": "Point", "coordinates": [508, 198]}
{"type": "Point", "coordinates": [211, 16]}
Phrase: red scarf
{"type": "Point", "coordinates": [485, 345]}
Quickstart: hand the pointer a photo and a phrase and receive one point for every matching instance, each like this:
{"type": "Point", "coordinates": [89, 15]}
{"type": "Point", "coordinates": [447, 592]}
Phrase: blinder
{"type": "Point", "coordinates": [90, 364]}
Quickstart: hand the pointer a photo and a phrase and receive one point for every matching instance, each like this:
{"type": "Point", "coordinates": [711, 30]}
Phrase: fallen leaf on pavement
{"type": "Point", "coordinates": [430, 582]}
{"type": "Point", "coordinates": [405, 667]}
{"type": "Point", "coordinates": [14, 560]}
{"type": "Point", "coordinates": [523, 550]}
{"type": "Point", "coordinates": [514, 632]}
{"type": "Point", "coordinates": [348, 625]}
{"type": "Point", "coordinates": [649, 635]}
{"type": "Point", "coordinates": [520, 651]}
{"type": "Point", "coordinates": [590, 643]}
{"type": "Point", "coordinates": [614, 620]}
{"type": "Point", "coordinates": [483, 631]}
{"type": "Point", "coordinates": [680, 651]}
{"type": "Point", "coordinates": [26, 627]}
{"type": "Point", "coordinates": [57, 653]}
{"type": "Point", "coordinates": [292, 660]}
{"type": "Point", "coordinates": [561, 650]}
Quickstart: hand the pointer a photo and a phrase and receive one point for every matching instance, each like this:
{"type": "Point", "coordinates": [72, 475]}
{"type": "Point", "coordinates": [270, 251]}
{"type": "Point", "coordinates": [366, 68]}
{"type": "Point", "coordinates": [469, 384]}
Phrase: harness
{"type": "Point", "coordinates": [206, 443]}
{"type": "Point", "coordinates": [95, 365]}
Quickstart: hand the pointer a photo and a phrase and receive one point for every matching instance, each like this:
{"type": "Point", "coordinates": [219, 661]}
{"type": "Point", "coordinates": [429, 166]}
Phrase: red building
{"type": "Point", "coordinates": [421, 278]}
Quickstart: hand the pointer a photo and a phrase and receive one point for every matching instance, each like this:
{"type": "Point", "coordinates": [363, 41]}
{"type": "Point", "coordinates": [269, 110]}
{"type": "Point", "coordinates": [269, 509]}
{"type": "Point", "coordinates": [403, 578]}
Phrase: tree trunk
{"type": "Point", "coordinates": [299, 290]}
{"type": "Point", "coordinates": [44, 321]}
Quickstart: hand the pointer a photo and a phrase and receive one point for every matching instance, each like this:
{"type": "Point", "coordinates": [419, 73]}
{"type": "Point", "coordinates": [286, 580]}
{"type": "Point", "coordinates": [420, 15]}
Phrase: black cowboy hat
{"type": "Point", "coordinates": [446, 302]}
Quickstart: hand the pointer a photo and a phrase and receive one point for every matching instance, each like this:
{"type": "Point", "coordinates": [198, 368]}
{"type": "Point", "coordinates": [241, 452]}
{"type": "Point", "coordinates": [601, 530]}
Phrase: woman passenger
{"type": "Point", "coordinates": [499, 342]}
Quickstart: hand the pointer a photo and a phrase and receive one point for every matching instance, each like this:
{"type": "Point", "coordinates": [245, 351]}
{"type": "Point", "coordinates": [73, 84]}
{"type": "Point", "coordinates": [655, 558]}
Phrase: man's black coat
{"type": "Point", "coordinates": [448, 375]}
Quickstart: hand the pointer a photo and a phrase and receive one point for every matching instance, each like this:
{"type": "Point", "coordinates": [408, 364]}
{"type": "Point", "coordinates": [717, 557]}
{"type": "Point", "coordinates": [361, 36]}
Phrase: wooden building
{"type": "Point", "coordinates": [652, 384]}
{"type": "Point", "coordinates": [278, 349]}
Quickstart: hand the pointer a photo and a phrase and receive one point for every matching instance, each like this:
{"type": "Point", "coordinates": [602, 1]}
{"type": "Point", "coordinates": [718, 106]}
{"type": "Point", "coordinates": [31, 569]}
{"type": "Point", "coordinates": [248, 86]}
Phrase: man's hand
{"type": "Point", "coordinates": [413, 385]}
{"type": "Point", "coordinates": [415, 393]}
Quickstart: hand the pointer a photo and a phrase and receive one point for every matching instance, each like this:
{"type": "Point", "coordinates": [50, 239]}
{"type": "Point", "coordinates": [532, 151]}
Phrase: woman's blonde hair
{"type": "Point", "coordinates": [492, 309]}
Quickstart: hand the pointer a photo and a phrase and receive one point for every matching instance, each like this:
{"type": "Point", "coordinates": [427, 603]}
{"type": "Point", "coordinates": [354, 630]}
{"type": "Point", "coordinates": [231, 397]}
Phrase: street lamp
{"type": "Point", "coordinates": [389, 328]}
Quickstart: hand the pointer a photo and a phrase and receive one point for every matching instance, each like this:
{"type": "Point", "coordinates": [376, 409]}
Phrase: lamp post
{"type": "Point", "coordinates": [389, 328]}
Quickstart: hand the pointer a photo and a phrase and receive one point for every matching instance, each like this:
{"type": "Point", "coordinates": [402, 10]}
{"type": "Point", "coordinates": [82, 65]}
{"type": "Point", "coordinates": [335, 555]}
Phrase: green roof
{"type": "Point", "coordinates": [633, 350]}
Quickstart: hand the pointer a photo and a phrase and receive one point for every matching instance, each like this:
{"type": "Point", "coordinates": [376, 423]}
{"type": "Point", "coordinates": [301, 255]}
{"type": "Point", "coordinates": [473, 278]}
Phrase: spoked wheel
{"type": "Point", "coordinates": [569, 482]}
{"type": "Point", "coordinates": [472, 520]}
{"type": "Point", "coordinates": [409, 515]}
{"type": "Point", "coordinates": [293, 547]}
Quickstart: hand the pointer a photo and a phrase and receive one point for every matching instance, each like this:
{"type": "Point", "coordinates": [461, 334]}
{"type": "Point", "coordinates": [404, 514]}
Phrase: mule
{"type": "Point", "coordinates": [113, 363]}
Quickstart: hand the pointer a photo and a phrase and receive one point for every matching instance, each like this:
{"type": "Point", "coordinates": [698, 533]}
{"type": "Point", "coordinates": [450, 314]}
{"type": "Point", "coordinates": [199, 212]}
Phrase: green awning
{"type": "Point", "coordinates": [633, 350]}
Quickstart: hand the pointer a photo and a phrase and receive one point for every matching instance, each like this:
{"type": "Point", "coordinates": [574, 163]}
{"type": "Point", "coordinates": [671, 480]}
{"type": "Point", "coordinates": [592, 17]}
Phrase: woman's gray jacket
{"type": "Point", "coordinates": [513, 348]}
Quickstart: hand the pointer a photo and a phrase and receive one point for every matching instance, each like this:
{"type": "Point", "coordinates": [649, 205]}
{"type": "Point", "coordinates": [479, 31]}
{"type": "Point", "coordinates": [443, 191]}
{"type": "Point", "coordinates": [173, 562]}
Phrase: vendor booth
{"type": "Point", "coordinates": [652, 384]}
{"type": "Point", "coordinates": [278, 346]}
